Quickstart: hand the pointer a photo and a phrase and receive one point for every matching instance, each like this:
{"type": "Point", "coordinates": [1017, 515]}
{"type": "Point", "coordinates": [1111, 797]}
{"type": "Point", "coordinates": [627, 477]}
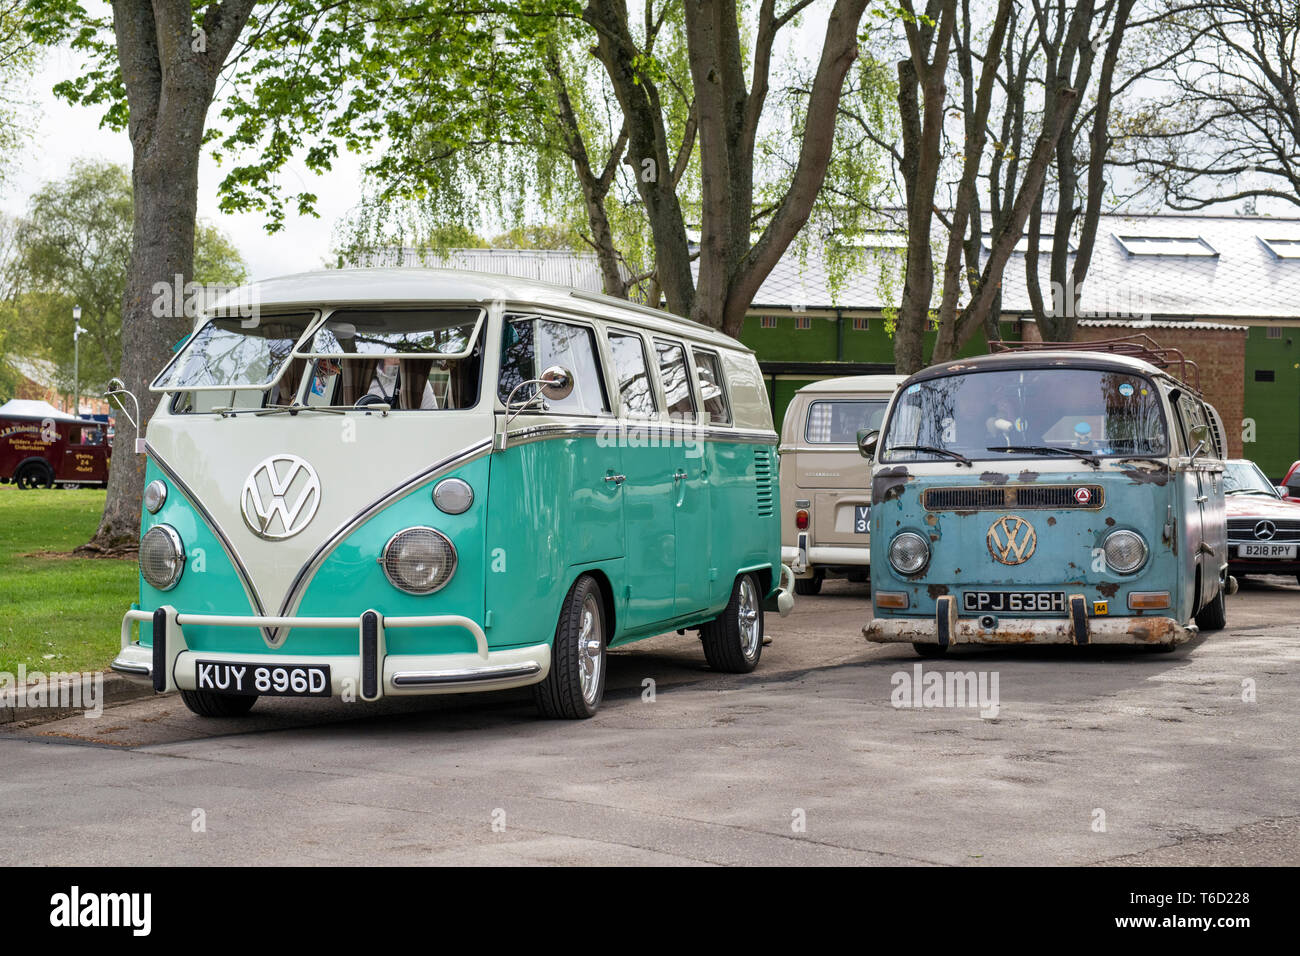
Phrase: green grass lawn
{"type": "Point", "coordinates": [58, 613]}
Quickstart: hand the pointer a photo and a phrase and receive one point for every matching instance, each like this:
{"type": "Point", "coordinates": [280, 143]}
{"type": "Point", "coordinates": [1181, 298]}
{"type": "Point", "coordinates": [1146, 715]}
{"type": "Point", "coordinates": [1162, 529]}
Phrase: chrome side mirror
{"type": "Point", "coordinates": [1201, 440]}
{"type": "Point", "coordinates": [868, 439]}
{"type": "Point", "coordinates": [556, 383]}
{"type": "Point", "coordinates": [116, 389]}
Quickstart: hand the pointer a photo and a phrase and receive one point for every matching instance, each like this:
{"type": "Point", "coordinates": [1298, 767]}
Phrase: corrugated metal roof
{"type": "Point", "coordinates": [1244, 280]}
{"type": "Point", "coordinates": [1144, 324]}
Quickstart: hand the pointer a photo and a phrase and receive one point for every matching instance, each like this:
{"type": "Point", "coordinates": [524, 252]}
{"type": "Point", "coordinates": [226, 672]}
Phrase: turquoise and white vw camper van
{"type": "Point", "coordinates": [388, 482]}
{"type": "Point", "coordinates": [1049, 495]}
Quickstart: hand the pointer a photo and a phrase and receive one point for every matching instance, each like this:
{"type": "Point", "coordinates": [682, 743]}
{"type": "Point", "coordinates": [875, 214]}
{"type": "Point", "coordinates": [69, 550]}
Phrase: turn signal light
{"type": "Point", "coordinates": [1148, 600]}
{"type": "Point", "coordinates": [896, 600]}
{"type": "Point", "coordinates": [801, 520]}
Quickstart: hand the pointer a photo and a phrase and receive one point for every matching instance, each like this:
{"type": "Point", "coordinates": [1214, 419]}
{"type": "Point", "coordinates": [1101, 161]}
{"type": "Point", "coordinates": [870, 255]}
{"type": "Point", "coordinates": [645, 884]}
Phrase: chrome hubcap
{"type": "Point", "coordinates": [747, 611]}
{"type": "Point", "coordinates": [591, 646]}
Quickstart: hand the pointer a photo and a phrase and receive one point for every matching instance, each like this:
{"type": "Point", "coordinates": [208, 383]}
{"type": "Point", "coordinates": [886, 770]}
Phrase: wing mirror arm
{"type": "Point", "coordinates": [116, 389]}
{"type": "Point", "coordinates": [555, 383]}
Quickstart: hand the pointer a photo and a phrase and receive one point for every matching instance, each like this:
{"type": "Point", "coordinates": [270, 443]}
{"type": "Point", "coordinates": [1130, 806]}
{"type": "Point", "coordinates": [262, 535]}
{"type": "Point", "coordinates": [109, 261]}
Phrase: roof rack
{"type": "Point", "coordinates": [1139, 345]}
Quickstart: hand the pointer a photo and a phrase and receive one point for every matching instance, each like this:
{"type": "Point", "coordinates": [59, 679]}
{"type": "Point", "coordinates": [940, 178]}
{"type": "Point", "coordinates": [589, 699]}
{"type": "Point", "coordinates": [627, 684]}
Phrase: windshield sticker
{"type": "Point", "coordinates": [1126, 390]}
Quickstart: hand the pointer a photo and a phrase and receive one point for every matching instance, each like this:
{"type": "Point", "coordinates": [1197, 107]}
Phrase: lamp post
{"type": "Point", "coordinates": [76, 360]}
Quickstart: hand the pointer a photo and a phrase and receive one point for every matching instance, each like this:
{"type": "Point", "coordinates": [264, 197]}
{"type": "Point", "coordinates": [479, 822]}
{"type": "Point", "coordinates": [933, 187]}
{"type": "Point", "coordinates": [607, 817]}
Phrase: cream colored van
{"type": "Point", "coordinates": [825, 481]}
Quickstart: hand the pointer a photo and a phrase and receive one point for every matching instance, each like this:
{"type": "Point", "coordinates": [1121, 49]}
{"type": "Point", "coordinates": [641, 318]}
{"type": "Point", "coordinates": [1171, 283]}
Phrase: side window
{"type": "Point", "coordinates": [677, 384]}
{"type": "Point", "coordinates": [530, 345]}
{"type": "Point", "coordinates": [713, 388]}
{"type": "Point", "coordinates": [633, 374]}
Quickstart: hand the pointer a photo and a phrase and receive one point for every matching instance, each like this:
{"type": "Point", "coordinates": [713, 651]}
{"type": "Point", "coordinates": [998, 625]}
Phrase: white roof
{"type": "Point", "coordinates": [402, 286]}
{"type": "Point", "coordinates": [885, 384]}
{"type": "Point", "coordinates": [1236, 272]}
{"type": "Point", "coordinates": [34, 408]}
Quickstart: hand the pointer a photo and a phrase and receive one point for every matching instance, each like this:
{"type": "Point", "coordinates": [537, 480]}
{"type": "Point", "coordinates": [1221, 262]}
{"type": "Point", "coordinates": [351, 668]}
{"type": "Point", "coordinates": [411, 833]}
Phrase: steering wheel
{"type": "Point", "coordinates": [368, 399]}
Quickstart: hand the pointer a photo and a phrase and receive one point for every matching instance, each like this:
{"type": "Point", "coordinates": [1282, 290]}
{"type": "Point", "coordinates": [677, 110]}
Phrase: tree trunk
{"type": "Point", "coordinates": [169, 67]}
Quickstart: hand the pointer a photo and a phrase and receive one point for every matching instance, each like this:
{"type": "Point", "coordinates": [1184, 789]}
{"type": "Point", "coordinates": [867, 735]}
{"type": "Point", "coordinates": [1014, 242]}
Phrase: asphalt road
{"type": "Point", "coordinates": [1094, 756]}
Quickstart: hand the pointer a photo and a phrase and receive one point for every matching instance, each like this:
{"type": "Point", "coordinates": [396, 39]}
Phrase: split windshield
{"type": "Point", "coordinates": [407, 359]}
{"type": "Point", "coordinates": [1052, 412]}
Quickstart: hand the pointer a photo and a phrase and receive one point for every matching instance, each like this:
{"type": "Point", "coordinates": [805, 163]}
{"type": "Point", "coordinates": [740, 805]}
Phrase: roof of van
{"type": "Point", "coordinates": [1039, 358]}
{"type": "Point", "coordinates": [410, 286]}
{"type": "Point", "coordinates": [856, 383]}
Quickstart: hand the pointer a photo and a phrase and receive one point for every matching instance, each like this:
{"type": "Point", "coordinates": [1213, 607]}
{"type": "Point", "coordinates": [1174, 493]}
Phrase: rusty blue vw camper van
{"type": "Point", "coordinates": [1050, 494]}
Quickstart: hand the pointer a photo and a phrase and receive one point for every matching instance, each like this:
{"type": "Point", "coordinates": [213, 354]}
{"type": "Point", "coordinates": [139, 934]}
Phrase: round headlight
{"type": "Point", "coordinates": [1125, 551]}
{"type": "Point", "coordinates": [419, 560]}
{"type": "Point", "coordinates": [162, 557]}
{"type": "Point", "coordinates": [155, 496]}
{"type": "Point", "coordinates": [908, 552]}
{"type": "Point", "coordinates": [453, 496]}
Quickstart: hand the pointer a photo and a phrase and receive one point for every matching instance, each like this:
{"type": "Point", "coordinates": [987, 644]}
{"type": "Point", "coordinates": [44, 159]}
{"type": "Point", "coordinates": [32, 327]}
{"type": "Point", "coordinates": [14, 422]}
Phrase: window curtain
{"type": "Point", "coordinates": [415, 376]}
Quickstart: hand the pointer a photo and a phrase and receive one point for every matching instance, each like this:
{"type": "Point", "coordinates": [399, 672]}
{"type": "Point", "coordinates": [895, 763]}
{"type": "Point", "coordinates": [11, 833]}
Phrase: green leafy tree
{"type": "Point", "coordinates": [72, 249]}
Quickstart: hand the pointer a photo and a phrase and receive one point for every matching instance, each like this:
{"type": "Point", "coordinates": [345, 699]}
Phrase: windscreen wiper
{"type": "Point", "coordinates": [1041, 449]}
{"type": "Point", "coordinates": [930, 449]}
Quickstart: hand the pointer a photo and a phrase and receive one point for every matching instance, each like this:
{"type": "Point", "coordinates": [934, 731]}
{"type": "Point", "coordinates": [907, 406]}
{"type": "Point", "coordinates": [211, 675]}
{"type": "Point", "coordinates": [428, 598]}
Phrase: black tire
{"type": "Point", "coordinates": [929, 650]}
{"type": "Point", "coordinates": [575, 684]}
{"type": "Point", "coordinates": [733, 641]}
{"type": "Point", "coordinates": [1214, 616]}
{"type": "Point", "coordinates": [812, 585]}
{"type": "Point", "coordinates": [207, 704]}
{"type": "Point", "coordinates": [34, 474]}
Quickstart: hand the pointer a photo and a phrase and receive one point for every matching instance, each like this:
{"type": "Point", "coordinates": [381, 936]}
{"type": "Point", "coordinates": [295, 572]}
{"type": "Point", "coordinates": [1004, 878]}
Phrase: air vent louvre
{"type": "Point", "coordinates": [763, 481]}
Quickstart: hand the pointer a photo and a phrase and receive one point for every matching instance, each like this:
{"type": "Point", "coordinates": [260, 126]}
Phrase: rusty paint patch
{"type": "Point", "coordinates": [1028, 475]}
{"type": "Point", "coordinates": [964, 514]}
{"type": "Point", "coordinates": [994, 477]}
{"type": "Point", "coordinates": [1050, 521]}
{"type": "Point", "coordinates": [934, 537]}
{"type": "Point", "coordinates": [1110, 522]}
{"type": "Point", "coordinates": [937, 590]}
{"type": "Point", "coordinates": [888, 484]}
{"type": "Point", "coordinates": [1108, 589]}
{"type": "Point", "coordinates": [932, 519]}
{"type": "Point", "coordinates": [1142, 472]}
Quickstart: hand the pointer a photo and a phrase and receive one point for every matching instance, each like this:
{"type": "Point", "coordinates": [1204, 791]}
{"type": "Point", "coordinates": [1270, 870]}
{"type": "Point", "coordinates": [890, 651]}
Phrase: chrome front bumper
{"type": "Point", "coordinates": [398, 674]}
{"type": "Point", "coordinates": [945, 628]}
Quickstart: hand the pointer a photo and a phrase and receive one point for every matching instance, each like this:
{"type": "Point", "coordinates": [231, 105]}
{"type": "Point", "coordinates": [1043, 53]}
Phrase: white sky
{"type": "Point", "coordinates": [64, 133]}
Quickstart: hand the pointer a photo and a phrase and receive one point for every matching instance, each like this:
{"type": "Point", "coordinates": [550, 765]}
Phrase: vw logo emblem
{"type": "Point", "coordinates": [280, 497]}
{"type": "Point", "coordinates": [1264, 530]}
{"type": "Point", "coordinates": [1012, 539]}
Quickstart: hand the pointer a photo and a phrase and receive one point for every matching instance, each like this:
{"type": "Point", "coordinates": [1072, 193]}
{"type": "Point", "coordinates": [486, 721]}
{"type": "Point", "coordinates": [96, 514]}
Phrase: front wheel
{"type": "Point", "coordinates": [575, 684]}
{"type": "Point", "coordinates": [733, 641]}
{"type": "Point", "coordinates": [207, 704]}
{"type": "Point", "coordinates": [1214, 616]}
{"type": "Point", "coordinates": [34, 475]}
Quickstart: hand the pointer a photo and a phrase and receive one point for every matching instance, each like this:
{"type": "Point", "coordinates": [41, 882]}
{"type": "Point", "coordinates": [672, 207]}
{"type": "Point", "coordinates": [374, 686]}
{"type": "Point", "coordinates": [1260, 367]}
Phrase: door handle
{"type": "Point", "coordinates": [680, 475]}
{"type": "Point", "coordinates": [617, 479]}
{"type": "Point", "coordinates": [1202, 498]}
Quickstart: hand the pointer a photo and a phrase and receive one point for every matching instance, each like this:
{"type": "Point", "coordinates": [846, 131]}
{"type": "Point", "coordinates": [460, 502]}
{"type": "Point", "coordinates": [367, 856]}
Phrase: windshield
{"type": "Point", "coordinates": [1245, 478]}
{"type": "Point", "coordinates": [406, 359]}
{"type": "Point", "coordinates": [1040, 412]}
{"type": "Point", "coordinates": [838, 422]}
{"type": "Point", "coordinates": [235, 353]}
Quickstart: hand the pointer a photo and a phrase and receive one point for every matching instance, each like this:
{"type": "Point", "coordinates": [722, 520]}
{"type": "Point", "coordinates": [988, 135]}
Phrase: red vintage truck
{"type": "Point", "coordinates": [41, 447]}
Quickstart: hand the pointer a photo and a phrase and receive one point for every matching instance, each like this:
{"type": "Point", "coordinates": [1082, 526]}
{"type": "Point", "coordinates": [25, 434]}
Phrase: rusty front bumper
{"type": "Point", "coordinates": [946, 628]}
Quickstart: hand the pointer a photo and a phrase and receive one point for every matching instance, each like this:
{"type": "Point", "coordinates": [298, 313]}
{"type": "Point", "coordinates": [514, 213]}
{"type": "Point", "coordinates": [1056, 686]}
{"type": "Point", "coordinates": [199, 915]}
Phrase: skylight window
{"type": "Point", "coordinates": [1282, 248]}
{"type": "Point", "coordinates": [1045, 242]}
{"type": "Point", "coordinates": [1165, 245]}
